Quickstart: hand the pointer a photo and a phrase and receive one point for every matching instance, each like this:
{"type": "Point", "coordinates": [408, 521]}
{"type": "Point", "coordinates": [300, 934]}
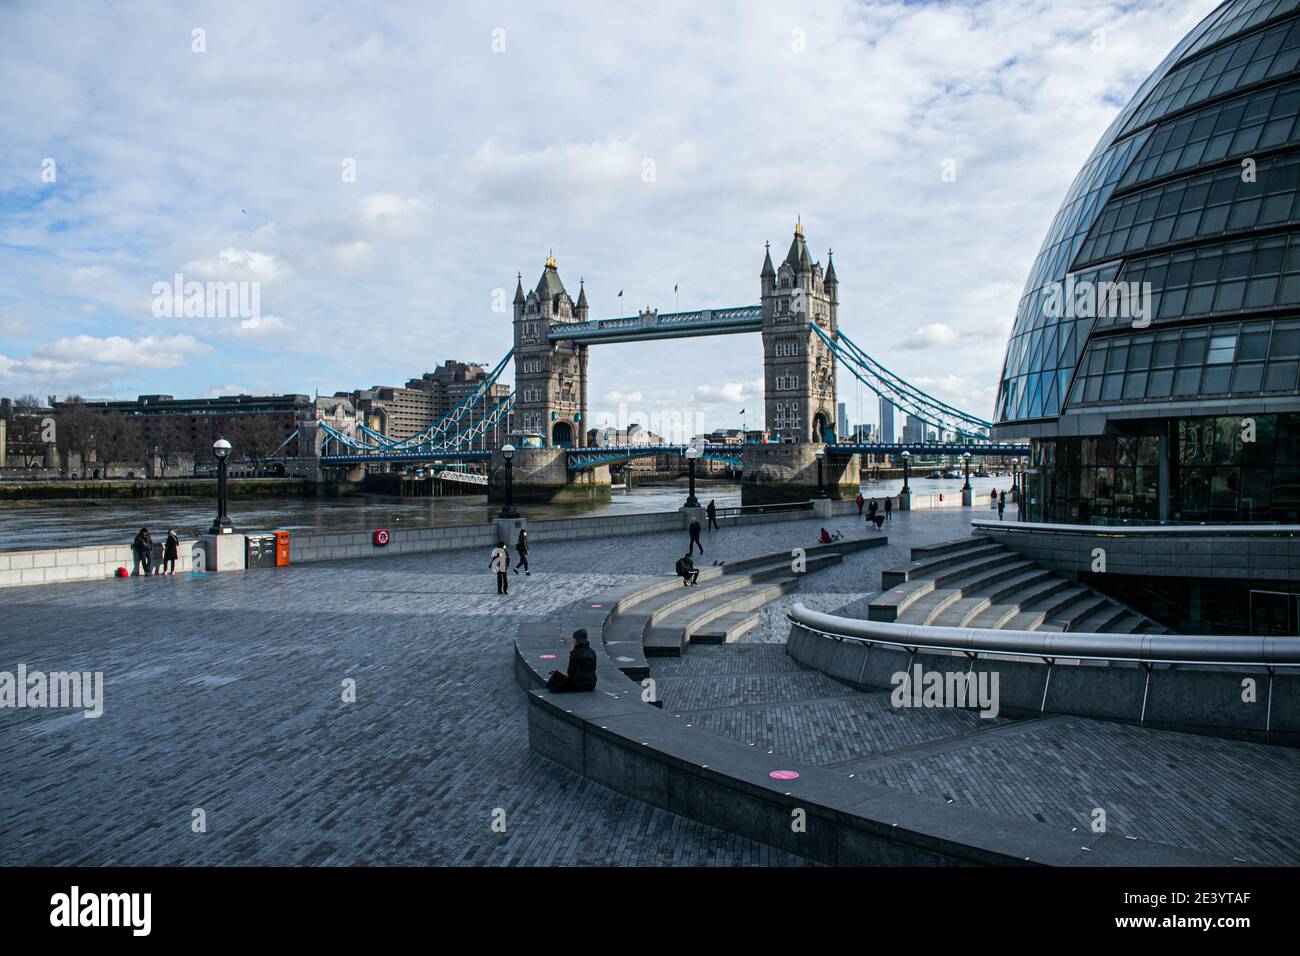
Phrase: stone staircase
{"type": "Point", "coordinates": [978, 583]}
{"type": "Point", "coordinates": [661, 620]}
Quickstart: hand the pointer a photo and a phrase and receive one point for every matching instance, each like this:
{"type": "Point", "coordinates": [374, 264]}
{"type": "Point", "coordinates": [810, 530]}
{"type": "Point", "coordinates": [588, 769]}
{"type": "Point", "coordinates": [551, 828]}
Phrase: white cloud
{"type": "Point", "coordinates": [217, 391]}
{"type": "Point", "coordinates": [235, 265]}
{"type": "Point", "coordinates": [930, 336]}
{"type": "Point", "coordinates": [463, 182]}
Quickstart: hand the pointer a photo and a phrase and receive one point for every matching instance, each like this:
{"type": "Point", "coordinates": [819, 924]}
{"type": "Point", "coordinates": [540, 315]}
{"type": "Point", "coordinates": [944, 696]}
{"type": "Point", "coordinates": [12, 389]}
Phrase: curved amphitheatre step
{"type": "Point", "coordinates": [725, 628]}
{"type": "Point", "coordinates": [617, 738]}
{"type": "Point", "coordinates": [927, 608]}
{"type": "Point", "coordinates": [670, 633]}
{"type": "Point", "coordinates": [998, 614]}
{"type": "Point", "coordinates": [638, 611]}
{"type": "Point", "coordinates": [961, 613]}
{"type": "Point", "coordinates": [953, 570]}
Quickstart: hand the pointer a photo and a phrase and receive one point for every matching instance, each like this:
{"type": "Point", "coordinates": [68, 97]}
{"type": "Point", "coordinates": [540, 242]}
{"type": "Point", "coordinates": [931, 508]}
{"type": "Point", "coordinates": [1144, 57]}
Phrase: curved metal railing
{"type": "Point", "coordinates": [1053, 645]}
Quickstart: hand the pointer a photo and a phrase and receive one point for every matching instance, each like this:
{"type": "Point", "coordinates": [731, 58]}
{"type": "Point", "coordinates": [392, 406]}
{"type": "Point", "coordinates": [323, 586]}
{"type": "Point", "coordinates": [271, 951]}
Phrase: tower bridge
{"type": "Point", "coordinates": [546, 417]}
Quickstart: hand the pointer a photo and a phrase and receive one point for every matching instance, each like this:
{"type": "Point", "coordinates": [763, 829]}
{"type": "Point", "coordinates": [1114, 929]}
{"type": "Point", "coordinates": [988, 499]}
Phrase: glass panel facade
{"type": "Point", "coordinates": [1199, 207]}
{"type": "Point", "coordinates": [1213, 473]}
{"type": "Point", "coordinates": [1232, 278]}
{"type": "Point", "coordinates": [1248, 358]}
{"type": "Point", "coordinates": [1249, 59]}
{"type": "Point", "coordinates": [1263, 120]}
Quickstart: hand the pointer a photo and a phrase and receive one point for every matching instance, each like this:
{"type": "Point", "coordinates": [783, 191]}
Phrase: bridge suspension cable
{"type": "Point", "coordinates": [901, 393]}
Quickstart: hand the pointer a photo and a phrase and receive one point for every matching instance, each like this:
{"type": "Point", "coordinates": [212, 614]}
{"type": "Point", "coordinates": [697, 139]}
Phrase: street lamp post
{"type": "Point", "coordinates": [967, 493]}
{"type": "Point", "coordinates": [221, 523]}
{"type": "Point", "coordinates": [821, 484]}
{"type": "Point", "coordinates": [508, 453]}
{"type": "Point", "coordinates": [692, 454]}
{"type": "Point", "coordinates": [905, 496]}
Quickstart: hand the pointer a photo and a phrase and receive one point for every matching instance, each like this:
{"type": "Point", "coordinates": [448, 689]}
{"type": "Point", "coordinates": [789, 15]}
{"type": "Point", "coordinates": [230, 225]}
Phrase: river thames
{"type": "Point", "coordinates": [117, 520]}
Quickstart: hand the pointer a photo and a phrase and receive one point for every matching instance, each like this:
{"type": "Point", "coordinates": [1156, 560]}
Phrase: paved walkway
{"type": "Point", "coordinates": [1226, 797]}
{"type": "Point", "coordinates": [224, 693]}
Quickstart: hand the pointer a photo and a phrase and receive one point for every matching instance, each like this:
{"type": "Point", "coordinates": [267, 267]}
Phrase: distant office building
{"type": "Point", "coordinates": [913, 430]}
{"type": "Point", "coordinates": [886, 420]}
{"type": "Point", "coordinates": [842, 428]}
{"type": "Point", "coordinates": [402, 412]}
{"type": "Point", "coordinates": [192, 424]}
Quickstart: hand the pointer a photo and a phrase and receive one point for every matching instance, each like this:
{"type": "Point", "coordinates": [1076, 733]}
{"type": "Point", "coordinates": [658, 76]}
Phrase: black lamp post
{"type": "Point", "coordinates": [221, 451]}
{"type": "Point", "coordinates": [821, 484]}
{"type": "Point", "coordinates": [966, 458]}
{"type": "Point", "coordinates": [508, 453]}
{"type": "Point", "coordinates": [907, 472]}
{"type": "Point", "coordinates": [692, 453]}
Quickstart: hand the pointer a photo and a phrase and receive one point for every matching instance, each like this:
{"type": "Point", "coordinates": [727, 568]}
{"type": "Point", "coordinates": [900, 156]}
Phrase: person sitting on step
{"type": "Point", "coordinates": [582, 668]}
{"type": "Point", "coordinates": [687, 571]}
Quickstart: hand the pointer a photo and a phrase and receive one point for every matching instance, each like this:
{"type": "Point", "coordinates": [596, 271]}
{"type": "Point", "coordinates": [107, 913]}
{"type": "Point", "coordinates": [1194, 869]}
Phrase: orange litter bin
{"type": "Point", "coordinates": [281, 548]}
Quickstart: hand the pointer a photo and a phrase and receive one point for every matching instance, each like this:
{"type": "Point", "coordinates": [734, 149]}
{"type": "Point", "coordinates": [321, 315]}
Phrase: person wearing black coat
{"type": "Point", "coordinates": [141, 549]}
{"type": "Point", "coordinates": [582, 668]}
{"type": "Point", "coordinates": [694, 531]}
{"type": "Point", "coordinates": [171, 551]}
{"type": "Point", "coordinates": [712, 512]}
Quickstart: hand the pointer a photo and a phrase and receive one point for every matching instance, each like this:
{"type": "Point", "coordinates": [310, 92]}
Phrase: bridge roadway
{"type": "Point", "coordinates": [224, 693]}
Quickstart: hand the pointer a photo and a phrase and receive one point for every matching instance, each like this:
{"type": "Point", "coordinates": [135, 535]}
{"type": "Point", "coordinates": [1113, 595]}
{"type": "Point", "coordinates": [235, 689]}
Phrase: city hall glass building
{"type": "Point", "coordinates": [1180, 407]}
{"type": "Point", "coordinates": [1154, 359]}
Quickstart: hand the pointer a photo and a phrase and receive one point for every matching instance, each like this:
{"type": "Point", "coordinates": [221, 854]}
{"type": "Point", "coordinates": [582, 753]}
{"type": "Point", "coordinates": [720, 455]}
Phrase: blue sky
{"type": "Point", "coordinates": [485, 135]}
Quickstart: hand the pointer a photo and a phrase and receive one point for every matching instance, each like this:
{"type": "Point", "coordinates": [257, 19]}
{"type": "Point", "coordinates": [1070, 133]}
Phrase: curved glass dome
{"type": "Point", "coordinates": [1193, 190]}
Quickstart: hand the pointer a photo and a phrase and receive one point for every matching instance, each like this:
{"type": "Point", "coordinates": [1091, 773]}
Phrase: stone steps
{"type": "Point", "coordinates": [669, 634]}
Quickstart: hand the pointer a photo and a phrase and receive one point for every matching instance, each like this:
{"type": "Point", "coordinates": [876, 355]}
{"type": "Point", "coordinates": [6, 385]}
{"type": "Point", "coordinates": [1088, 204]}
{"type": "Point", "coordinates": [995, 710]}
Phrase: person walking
{"type": "Point", "coordinates": [889, 507]}
{"type": "Point", "coordinates": [712, 512]}
{"type": "Point", "coordinates": [500, 563]}
{"type": "Point", "coordinates": [141, 547]}
{"type": "Point", "coordinates": [1002, 504]}
{"type": "Point", "coordinates": [582, 668]}
{"type": "Point", "coordinates": [522, 547]}
{"type": "Point", "coordinates": [695, 537]}
{"type": "Point", "coordinates": [861, 501]}
{"type": "Point", "coordinates": [872, 509]}
{"type": "Point", "coordinates": [171, 551]}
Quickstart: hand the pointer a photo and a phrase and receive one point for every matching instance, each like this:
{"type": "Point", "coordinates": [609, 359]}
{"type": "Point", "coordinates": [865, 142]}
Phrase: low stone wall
{"type": "Point", "coordinates": [1200, 700]}
{"type": "Point", "coordinates": [1246, 552]}
{"type": "Point", "coordinates": [58, 565]}
{"type": "Point", "coordinates": [44, 567]}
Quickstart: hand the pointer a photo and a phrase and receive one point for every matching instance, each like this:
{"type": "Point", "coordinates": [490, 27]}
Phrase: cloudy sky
{"type": "Point", "coordinates": [648, 145]}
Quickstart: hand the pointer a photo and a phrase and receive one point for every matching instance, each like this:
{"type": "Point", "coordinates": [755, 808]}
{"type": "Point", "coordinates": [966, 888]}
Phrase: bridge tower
{"type": "Point", "coordinates": [798, 367]}
{"type": "Point", "coordinates": [798, 384]}
{"type": "Point", "coordinates": [550, 377]}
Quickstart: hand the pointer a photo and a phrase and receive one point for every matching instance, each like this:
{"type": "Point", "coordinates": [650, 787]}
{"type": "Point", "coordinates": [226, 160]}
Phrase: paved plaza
{"type": "Point", "coordinates": [225, 693]}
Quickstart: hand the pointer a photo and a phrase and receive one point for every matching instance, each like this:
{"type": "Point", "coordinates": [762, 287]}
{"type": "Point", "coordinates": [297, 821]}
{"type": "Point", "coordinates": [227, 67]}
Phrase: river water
{"type": "Point", "coordinates": [117, 521]}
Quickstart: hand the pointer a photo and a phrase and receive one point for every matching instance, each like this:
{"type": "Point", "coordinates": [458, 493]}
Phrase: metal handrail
{"type": "Point", "coordinates": [1044, 527]}
{"type": "Point", "coordinates": [1051, 645]}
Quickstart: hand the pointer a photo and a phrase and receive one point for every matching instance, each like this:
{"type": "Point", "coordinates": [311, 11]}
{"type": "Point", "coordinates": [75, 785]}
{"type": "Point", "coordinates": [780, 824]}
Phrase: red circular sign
{"type": "Point", "coordinates": [381, 537]}
{"type": "Point", "coordinates": [784, 775]}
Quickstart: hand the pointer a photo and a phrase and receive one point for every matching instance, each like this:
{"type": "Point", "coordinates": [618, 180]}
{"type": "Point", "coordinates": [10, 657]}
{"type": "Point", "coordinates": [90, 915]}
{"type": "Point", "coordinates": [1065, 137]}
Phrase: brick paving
{"type": "Point", "coordinates": [224, 693]}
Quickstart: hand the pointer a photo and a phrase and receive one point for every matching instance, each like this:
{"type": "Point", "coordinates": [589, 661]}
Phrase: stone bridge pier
{"type": "Point", "coordinates": [541, 477]}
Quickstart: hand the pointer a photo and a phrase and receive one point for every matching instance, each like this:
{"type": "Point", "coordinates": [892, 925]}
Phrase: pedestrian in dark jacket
{"type": "Point", "coordinates": [889, 508]}
{"type": "Point", "coordinates": [500, 563]}
{"type": "Point", "coordinates": [171, 551]}
{"type": "Point", "coordinates": [695, 537]}
{"type": "Point", "coordinates": [873, 508]}
{"type": "Point", "coordinates": [687, 571]}
{"type": "Point", "coordinates": [582, 668]}
{"type": "Point", "coordinates": [712, 512]}
{"type": "Point", "coordinates": [522, 547]}
{"type": "Point", "coordinates": [140, 550]}
{"type": "Point", "coordinates": [1002, 504]}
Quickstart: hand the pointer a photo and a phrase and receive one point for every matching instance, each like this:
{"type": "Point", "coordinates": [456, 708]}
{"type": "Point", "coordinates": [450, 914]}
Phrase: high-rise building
{"type": "Point", "coordinates": [886, 420]}
{"type": "Point", "coordinates": [913, 430]}
{"type": "Point", "coordinates": [843, 429]}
